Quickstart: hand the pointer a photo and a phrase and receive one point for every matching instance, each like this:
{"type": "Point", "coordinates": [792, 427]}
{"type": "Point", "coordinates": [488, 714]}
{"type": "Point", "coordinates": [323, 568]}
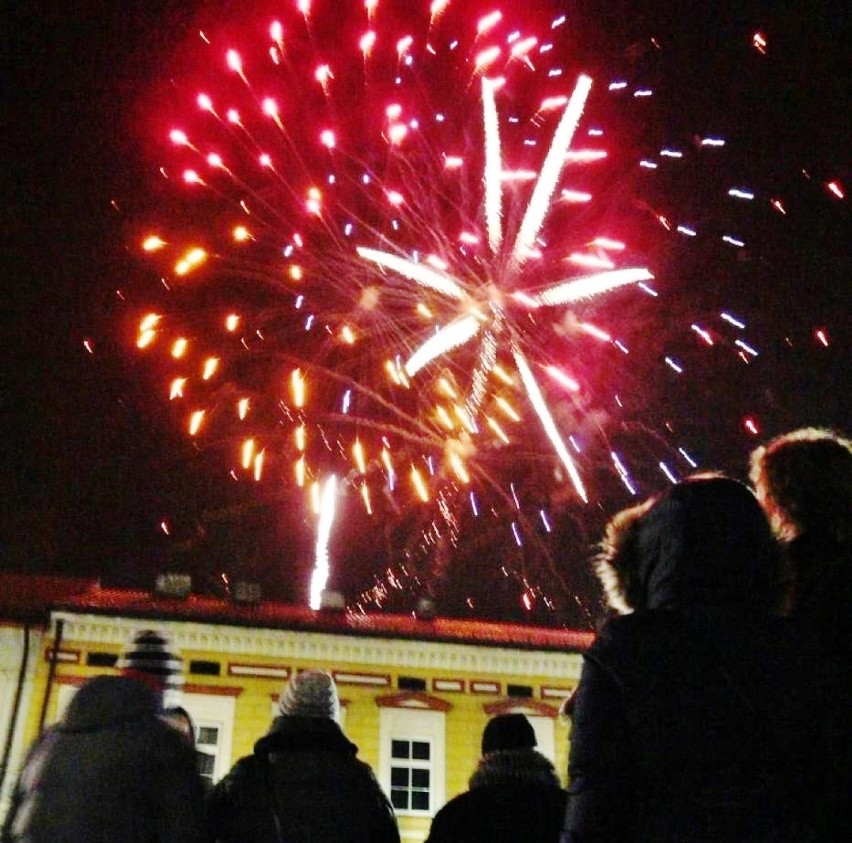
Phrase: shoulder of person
{"type": "Point", "coordinates": [246, 771]}
{"type": "Point", "coordinates": [622, 628]}
{"type": "Point", "coordinates": [444, 823]}
{"type": "Point", "coordinates": [460, 805]}
{"type": "Point", "coordinates": [243, 785]}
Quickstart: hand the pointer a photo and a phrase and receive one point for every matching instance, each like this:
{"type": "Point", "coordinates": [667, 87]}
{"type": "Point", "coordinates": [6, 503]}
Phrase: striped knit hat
{"type": "Point", "coordinates": [149, 659]}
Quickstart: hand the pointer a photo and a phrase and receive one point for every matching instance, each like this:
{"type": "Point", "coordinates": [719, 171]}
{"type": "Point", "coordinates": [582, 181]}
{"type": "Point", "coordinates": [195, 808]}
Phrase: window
{"type": "Point", "coordinates": [544, 735]}
{"type": "Point", "coordinates": [412, 759]}
{"type": "Point", "coordinates": [411, 770]}
{"type": "Point", "coordinates": [519, 691]}
{"type": "Point", "coordinates": [203, 667]}
{"type": "Point", "coordinates": [207, 747]}
{"type": "Point", "coordinates": [213, 717]}
{"type": "Point", "coordinates": [101, 659]}
{"type": "Point", "coordinates": [64, 695]}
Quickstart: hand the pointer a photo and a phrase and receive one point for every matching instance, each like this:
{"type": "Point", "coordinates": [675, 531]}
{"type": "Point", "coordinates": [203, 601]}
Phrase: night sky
{"type": "Point", "coordinates": [91, 464]}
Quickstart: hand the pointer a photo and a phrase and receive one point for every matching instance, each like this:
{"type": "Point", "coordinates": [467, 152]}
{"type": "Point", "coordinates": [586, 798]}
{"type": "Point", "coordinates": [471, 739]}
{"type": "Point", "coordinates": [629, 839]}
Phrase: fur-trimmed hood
{"type": "Point", "coordinates": [705, 543]}
{"type": "Point", "coordinates": [525, 767]}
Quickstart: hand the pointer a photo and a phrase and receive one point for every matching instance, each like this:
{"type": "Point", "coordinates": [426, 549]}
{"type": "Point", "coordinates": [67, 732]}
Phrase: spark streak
{"type": "Point", "coordinates": [326, 520]}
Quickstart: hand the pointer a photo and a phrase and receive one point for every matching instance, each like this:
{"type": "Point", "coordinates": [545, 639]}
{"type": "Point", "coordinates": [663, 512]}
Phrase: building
{"type": "Point", "coordinates": [416, 693]}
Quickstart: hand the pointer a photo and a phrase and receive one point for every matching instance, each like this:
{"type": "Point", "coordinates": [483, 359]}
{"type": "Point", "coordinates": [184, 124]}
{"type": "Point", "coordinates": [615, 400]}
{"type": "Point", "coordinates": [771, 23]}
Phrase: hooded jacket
{"type": "Point", "coordinates": [110, 771]}
{"type": "Point", "coordinates": [305, 773]}
{"type": "Point", "coordinates": [514, 797]}
{"type": "Point", "coordinates": [701, 716]}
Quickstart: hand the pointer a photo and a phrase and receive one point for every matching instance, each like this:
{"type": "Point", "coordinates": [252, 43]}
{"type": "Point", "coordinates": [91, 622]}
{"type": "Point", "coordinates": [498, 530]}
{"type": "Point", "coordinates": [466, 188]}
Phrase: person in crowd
{"type": "Point", "coordinates": [515, 795]}
{"type": "Point", "coordinates": [303, 783]}
{"type": "Point", "coordinates": [804, 481]}
{"type": "Point", "coordinates": [112, 769]}
{"type": "Point", "coordinates": [701, 714]}
{"type": "Point", "coordinates": [179, 718]}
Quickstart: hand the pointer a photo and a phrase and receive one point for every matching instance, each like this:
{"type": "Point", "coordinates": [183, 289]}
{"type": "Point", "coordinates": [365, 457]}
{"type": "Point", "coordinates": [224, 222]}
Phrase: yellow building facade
{"type": "Point", "coordinates": [416, 694]}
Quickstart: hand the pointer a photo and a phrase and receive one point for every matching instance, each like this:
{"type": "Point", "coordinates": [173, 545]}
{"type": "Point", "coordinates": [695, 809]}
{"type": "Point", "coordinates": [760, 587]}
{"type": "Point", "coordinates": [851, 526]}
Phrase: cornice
{"type": "Point", "coordinates": [324, 648]}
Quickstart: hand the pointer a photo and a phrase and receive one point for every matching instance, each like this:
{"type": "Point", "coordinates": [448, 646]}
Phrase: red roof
{"type": "Point", "coordinates": [268, 615]}
{"type": "Point", "coordinates": [28, 598]}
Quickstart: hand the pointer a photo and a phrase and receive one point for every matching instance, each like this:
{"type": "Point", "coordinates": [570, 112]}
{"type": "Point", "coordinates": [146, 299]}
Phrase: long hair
{"type": "Point", "coordinates": [804, 481]}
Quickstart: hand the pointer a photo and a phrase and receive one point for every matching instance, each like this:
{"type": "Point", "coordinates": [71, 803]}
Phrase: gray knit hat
{"type": "Point", "coordinates": [150, 659]}
{"type": "Point", "coordinates": [311, 693]}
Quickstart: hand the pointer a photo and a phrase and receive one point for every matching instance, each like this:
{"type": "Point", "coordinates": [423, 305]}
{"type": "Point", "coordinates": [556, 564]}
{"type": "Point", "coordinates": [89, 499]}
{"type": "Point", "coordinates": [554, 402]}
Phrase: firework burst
{"type": "Point", "coordinates": [395, 258]}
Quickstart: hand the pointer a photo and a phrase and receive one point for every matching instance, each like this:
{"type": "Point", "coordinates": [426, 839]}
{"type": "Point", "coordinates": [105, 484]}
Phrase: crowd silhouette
{"type": "Point", "coordinates": [712, 705]}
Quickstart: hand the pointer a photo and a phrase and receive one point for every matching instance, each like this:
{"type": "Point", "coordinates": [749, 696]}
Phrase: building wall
{"type": "Point", "coordinates": [12, 729]}
{"type": "Point", "coordinates": [253, 665]}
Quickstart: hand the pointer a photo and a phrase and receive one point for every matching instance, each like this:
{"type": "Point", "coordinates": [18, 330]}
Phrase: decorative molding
{"type": "Point", "coordinates": [551, 693]}
{"type": "Point", "coordinates": [416, 700]}
{"type": "Point", "coordinates": [525, 706]}
{"type": "Point", "coordinates": [451, 686]}
{"type": "Point", "coordinates": [480, 686]}
{"type": "Point", "coordinates": [259, 671]}
{"type": "Point", "coordinates": [327, 648]}
{"type": "Point", "coordinates": [62, 656]}
{"type": "Point", "coordinates": [374, 680]}
{"type": "Point", "coordinates": [62, 679]}
{"type": "Point", "coordinates": [213, 690]}
{"type": "Point", "coordinates": [187, 688]}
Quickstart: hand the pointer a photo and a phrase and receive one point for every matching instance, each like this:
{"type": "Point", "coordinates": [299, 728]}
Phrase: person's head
{"type": "Point", "coordinates": [310, 693]}
{"type": "Point", "coordinates": [804, 481]}
{"type": "Point", "coordinates": [179, 718]}
{"type": "Point", "coordinates": [705, 541]}
{"type": "Point", "coordinates": [507, 732]}
{"type": "Point", "coordinates": [148, 658]}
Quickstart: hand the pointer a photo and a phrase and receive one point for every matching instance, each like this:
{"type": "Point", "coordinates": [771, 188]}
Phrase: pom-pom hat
{"type": "Point", "coordinates": [311, 693]}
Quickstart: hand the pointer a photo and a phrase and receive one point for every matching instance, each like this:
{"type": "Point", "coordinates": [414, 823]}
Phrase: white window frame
{"type": "Point", "coordinates": [64, 694]}
{"type": "Point", "coordinates": [215, 711]}
{"type": "Point", "coordinates": [545, 735]}
{"type": "Point", "coordinates": [412, 724]}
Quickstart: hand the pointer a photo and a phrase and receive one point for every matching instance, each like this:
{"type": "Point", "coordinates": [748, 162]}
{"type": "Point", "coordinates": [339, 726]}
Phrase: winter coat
{"type": "Point", "coordinates": [514, 797]}
{"type": "Point", "coordinates": [110, 771]}
{"type": "Point", "coordinates": [823, 596]}
{"type": "Point", "coordinates": [700, 716]}
{"type": "Point", "coordinates": [305, 772]}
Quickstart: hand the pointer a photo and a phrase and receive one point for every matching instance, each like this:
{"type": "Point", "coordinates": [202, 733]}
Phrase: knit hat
{"type": "Point", "coordinates": [508, 731]}
{"type": "Point", "coordinates": [311, 693]}
{"type": "Point", "coordinates": [149, 659]}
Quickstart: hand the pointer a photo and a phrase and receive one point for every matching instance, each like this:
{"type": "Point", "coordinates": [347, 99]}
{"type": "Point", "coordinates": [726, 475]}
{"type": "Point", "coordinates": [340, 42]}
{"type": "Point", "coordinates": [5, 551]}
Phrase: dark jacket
{"type": "Point", "coordinates": [110, 771]}
{"type": "Point", "coordinates": [514, 797]}
{"type": "Point", "coordinates": [823, 596]}
{"type": "Point", "coordinates": [701, 716]}
{"type": "Point", "coordinates": [305, 772]}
